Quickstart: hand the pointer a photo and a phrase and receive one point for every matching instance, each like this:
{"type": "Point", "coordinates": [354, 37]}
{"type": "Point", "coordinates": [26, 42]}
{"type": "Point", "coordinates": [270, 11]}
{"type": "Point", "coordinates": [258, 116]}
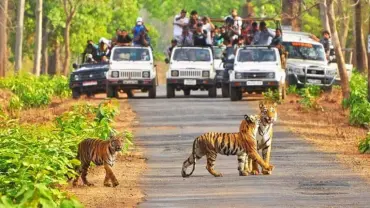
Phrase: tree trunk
{"type": "Point", "coordinates": [38, 38]}
{"type": "Point", "coordinates": [324, 15]}
{"type": "Point", "coordinates": [344, 24]}
{"type": "Point", "coordinates": [3, 37]}
{"type": "Point", "coordinates": [66, 47]}
{"type": "Point", "coordinates": [248, 9]}
{"type": "Point", "coordinates": [44, 49]}
{"type": "Point", "coordinates": [54, 60]}
{"type": "Point", "coordinates": [368, 59]}
{"type": "Point", "coordinates": [19, 36]}
{"type": "Point", "coordinates": [338, 51]}
{"type": "Point", "coordinates": [291, 10]}
{"type": "Point", "coordinates": [361, 58]}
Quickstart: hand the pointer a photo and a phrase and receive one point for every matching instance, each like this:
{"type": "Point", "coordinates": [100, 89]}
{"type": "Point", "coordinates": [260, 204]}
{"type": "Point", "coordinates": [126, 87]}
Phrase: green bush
{"type": "Point", "coordinates": [358, 105]}
{"type": "Point", "coordinates": [35, 160]}
{"type": "Point", "coordinates": [35, 91]}
{"type": "Point", "coordinates": [271, 96]}
{"type": "Point", "coordinates": [292, 90]}
{"type": "Point", "coordinates": [364, 146]}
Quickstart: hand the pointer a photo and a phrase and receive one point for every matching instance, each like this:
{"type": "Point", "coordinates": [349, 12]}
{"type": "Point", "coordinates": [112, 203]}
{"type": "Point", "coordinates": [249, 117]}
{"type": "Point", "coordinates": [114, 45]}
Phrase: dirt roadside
{"type": "Point", "coordinates": [328, 129]}
{"type": "Point", "coordinates": [128, 169]}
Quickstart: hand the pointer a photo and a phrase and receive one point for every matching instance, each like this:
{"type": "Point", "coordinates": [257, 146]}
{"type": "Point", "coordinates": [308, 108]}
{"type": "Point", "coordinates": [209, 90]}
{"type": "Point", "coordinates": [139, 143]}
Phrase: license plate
{"type": "Point", "coordinates": [314, 81]}
{"type": "Point", "coordinates": [130, 82]}
{"type": "Point", "coordinates": [90, 83]}
{"type": "Point", "coordinates": [254, 83]}
{"type": "Point", "coordinates": [190, 82]}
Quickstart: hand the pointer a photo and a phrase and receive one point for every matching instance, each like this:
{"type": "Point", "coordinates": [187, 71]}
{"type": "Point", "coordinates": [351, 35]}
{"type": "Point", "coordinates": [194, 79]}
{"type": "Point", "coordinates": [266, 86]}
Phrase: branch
{"type": "Point", "coordinates": [287, 16]}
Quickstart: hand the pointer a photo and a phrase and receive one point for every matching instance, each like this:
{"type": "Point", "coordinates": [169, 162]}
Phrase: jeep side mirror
{"type": "Point", "coordinates": [167, 61]}
{"type": "Point", "coordinates": [74, 65]}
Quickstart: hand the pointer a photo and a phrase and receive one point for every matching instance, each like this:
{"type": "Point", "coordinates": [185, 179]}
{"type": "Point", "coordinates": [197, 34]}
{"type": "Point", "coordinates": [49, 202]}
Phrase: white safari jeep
{"type": "Point", "coordinates": [191, 68]}
{"type": "Point", "coordinates": [256, 69]}
{"type": "Point", "coordinates": [307, 63]}
{"type": "Point", "coordinates": [131, 68]}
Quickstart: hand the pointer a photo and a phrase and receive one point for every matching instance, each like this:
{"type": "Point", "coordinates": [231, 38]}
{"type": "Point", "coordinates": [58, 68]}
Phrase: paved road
{"type": "Point", "coordinates": [303, 177]}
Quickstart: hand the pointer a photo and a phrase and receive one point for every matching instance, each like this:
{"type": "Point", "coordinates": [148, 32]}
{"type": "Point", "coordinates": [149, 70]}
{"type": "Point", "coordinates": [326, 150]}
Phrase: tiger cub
{"type": "Point", "coordinates": [268, 115]}
{"type": "Point", "coordinates": [100, 152]}
{"type": "Point", "coordinates": [242, 143]}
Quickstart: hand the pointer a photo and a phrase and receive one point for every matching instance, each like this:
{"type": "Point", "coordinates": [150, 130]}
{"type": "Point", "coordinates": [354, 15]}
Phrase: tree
{"type": "Point", "coordinates": [19, 36]}
{"type": "Point", "coordinates": [324, 15]}
{"type": "Point", "coordinates": [70, 8]}
{"type": "Point", "coordinates": [290, 14]}
{"type": "Point", "coordinates": [338, 50]}
{"type": "Point", "coordinates": [368, 70]}
{"type": "Point", "coordinates": [361, 59]}
{"type": "Point", "coordinates": [38, 38]}
{"type": "Point", "coordinates": [344, 17]}
{"type": "Point", "coordinates": [3, 36]}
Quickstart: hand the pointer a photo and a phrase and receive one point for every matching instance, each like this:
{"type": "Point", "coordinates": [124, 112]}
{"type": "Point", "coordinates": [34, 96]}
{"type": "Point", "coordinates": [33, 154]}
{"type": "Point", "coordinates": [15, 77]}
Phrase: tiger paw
{"type": "Point", "coordinates": [115, 183]}
{"type": "Point", "coordinates": [270, 168]}
{"type": "Point", "coordinates": [89, 184]}
{"type": "Point", "coordinates": [218, 175]}
{"type": "Point", "coordinates": [266, 172]}
{"type": "Point", "coordinates": [243, 173]}
{"type": "Point", "coordinates": [255, 172]}
{"type": "Point", "coordinates": [107, 184]}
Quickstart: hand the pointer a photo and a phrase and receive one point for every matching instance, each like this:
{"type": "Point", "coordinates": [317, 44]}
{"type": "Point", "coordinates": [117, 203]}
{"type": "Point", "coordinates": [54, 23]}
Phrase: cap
{"type": "Point", "coordinates": [89, 56]}
{"type": "Point", "coordinates": [139, 19]}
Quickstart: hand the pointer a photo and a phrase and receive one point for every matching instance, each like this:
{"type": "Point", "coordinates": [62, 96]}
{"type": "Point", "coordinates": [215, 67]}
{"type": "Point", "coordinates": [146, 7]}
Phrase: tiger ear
{"type": "Point", "coordinates": [262, 105]}
{"type": "Point", "coordinates": [247, 118]}
{"type": "Point", "coordinates": [275, 105]}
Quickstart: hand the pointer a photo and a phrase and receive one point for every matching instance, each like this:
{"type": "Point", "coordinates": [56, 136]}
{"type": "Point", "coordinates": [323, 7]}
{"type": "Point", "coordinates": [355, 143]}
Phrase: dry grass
{"type": "Point", "coordinates": [162, 68]}
{"type": "Point", "coordinates": [328, 129]}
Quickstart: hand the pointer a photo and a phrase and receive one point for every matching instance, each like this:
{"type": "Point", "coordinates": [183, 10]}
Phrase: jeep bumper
{"type": "Point", "coordinates": [301, 80]}
{"type": "Point", "coordinates": [91, 86]}
{"type": "Point", "coordinates": [191, 83]}
{"type": "Point", "coordinates": [132, 83]}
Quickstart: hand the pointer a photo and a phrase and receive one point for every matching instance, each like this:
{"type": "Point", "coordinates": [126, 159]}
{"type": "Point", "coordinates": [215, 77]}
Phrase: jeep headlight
{"type": "Point", "coordinates": [297, 70]}
{"type": "Point", "coordinates": [174, 73]}
{"type": "Point", "coordinates": [205, 74]}
{"type": "Point", "coordinates": [238, 75]}
{"type": "Point", "coordinates": [146, 74]}
{"type": "Point", "coordinates": [331, 72]}
{"type": "Point", "coordinates": [271, 75]}
{"type": "Point", "coordinates": [76, 77]}
{"type": "Point", "coordinates": [115, 74]}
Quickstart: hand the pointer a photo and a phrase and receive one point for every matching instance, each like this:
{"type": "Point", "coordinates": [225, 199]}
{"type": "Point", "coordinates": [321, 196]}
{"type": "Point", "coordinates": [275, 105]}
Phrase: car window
{"type": "Point", "coordinates": [257, 55]}
{"type": "Point", "coordinates": [191, 54]}
{"type": "Point", "coordinates": [131, 54]}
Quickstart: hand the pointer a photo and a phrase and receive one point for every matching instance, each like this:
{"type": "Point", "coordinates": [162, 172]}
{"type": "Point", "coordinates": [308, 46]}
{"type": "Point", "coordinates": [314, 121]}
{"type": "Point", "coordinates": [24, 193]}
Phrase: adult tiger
{"type": "Point", "coordinates": [240, 144]}
{"type": "Point", "coordinates": [268, 115]}
{"type": "Point", "coordinates": [100, 152]}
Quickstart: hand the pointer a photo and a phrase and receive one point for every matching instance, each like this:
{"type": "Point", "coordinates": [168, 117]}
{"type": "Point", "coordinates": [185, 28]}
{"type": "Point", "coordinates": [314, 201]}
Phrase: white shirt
{"type": "Point", "coordinates": [177, 30]}
{"type": "Point", "coordinates": [207, 27]}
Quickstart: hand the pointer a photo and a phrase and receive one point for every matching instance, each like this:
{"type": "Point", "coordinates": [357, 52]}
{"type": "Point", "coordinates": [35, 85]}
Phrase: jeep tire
{"type": "Point", "coordinates": [152, 92]}
{"type": "Point", "coordinates": [170, 91]}
{"type": "Point", "coordinates": [76, 94]}
{"type": "Point", "coordinates": [235, 94]}
{"type": "Point", "coordinates": [225, 90]}
{"type": "Point", "coordinates": [212, 92]}
{"type": "Point", "coordinates": [112, 92]}
{"type": "Point", "coordinates": [187, 92]}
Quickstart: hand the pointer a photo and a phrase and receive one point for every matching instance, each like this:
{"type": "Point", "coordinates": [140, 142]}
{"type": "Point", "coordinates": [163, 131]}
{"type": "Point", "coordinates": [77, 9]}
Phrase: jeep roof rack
{"type": "Point", "coordinates": [258, 46]}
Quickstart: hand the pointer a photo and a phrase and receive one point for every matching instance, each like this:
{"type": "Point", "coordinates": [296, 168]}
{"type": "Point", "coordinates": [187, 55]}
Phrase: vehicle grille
{"type": "Point", "coordinates": [92, 76]}
{"type": "Point", "coordinates": [315, 70]}
{"type": "Point", "coordinates": [191, 73]}
{"type": "Point", "coordinates": [132, 74]}
{"type": "Point", "coordinates": [257, 75]}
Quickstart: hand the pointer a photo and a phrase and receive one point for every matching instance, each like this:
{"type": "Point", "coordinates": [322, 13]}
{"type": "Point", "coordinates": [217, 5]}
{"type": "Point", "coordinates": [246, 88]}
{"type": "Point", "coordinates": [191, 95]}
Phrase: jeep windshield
{"type": "Point", "coordinates": [192, 54]}
{"type": "Point", "coordinates": [256, 55]}
{"type": "Point", "coordinates": [305, 51]}
{"type": "Point", "coordinates": [131, 54]}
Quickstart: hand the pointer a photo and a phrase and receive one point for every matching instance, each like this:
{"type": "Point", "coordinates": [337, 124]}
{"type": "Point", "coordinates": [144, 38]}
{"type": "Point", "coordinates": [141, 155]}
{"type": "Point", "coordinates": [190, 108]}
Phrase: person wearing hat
{"type": "Point", "coordinates": [179, 23]}
{"type": "Point", "coordinates": [138, 31]}
{"type": "Point", "coordinates": [91, 49]}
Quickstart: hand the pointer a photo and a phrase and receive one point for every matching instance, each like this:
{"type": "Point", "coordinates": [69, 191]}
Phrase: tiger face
{"type": "Point", "coordinates": [268, 113]}
{"type": "Point", "coordinates": [116, 143]}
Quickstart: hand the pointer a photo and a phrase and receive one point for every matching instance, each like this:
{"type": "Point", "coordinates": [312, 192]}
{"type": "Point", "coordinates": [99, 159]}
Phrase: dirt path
{"type": "Point", "coordinates": [128, 169]}
{"type": "Point", "coordinates": [328, 129]}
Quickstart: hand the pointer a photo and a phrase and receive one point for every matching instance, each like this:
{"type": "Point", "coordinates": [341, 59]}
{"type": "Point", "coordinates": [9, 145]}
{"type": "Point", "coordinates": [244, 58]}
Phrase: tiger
{"type": "Point", "coordinates": [268, 115]}
{"type": "Point", "coordinates": [240, 144]}
{"type": "Point", "coordinates": [100, 152]}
